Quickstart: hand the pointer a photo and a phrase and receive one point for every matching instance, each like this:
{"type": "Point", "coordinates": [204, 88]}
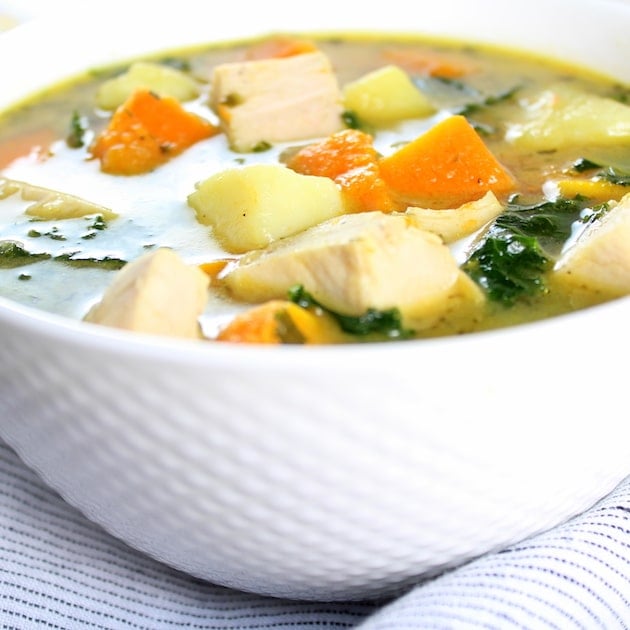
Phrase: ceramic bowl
{"type": "Point", "coordinates": [320, 473]}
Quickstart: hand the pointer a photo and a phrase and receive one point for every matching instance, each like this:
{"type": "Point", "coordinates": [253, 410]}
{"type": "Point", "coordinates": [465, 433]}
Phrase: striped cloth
{"type": "Point", "coordinates": [59, 570]}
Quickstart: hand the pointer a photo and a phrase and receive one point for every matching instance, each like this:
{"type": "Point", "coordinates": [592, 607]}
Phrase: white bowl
{"type": "Point", "coordinates": [321, 472]}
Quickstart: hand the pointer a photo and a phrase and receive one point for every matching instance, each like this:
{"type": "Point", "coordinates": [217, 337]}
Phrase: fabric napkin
{"type": "Point", "coordinates": [59, 570]}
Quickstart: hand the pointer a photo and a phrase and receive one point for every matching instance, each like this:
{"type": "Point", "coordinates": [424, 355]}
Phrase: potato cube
{"type": "Point", "coordinates": [386, 96]}
{"type": "Point", "coordinates": [251, 206]}
{"type": "Point", "coordinates": [563, 116]}
{"type": "Point", "coordinates": [158, 78]}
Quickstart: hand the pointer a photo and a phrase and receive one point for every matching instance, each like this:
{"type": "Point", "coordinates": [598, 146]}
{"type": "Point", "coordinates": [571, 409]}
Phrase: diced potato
{"type": "Point", "coordinates": [564, 116]}
{"type": "Point", "coordinates": [385, 96]}
{"type": "Point", "coordinates": [157, 293]}
{"type": "Point", "coordinates": [352, 263]}
{"type": "Point", "coordinates": [456, 223]}
{"type": "Point", "coordinates": [158, 78]}
{"type": "Point", "coordinates": [252, 206]}
{"type": "Point", "coordinates": [277, 100]}
{"type": "Point", "coordinates": [599, 259]}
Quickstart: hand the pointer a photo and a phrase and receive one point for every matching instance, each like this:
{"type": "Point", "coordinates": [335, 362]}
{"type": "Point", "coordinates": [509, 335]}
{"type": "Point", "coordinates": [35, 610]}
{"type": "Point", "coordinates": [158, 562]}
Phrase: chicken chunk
{"type": "Point", "coordinates": [277, 100]}
{"type": "Point", "coordinates": [157, 293]}
{"type": "Point", "coordinates": [599, 260]}
{"type": "Point", "coordinates": [355, 262]}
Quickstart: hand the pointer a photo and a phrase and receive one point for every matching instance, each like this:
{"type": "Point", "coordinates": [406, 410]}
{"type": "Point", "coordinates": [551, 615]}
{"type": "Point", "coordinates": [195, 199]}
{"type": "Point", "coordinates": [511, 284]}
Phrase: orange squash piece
{"type": "Point", "coordinates": [445, 167]}
{"type": "Point", "coordinates": [276, 322]}
{"type": "Point", "coordinates": [429, 62]}
{"type": "Point", "coordinates": [349, 158]}
{"type": "Point", "coordinates": [279, 47]}
{"type": "Point", "coordinates": [145, 132]}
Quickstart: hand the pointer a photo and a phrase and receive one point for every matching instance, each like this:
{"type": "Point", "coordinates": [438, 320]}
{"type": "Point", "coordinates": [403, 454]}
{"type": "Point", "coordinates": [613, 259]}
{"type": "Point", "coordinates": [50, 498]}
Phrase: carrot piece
{"type": "Point", "coordinates": [429, 62]}
{"type": "Point", "coordinates": [445, 167]}
{"type": "Point", "coordinates": [349, 158]}
{"type": "Point", "coordinates": [276, 322]}
{"type": "Point", "coordinates": [34, 143]}
{"type": "Point", "coordinates": [278, 47]}
{"type": "Point", "coordinates": [145, 132]}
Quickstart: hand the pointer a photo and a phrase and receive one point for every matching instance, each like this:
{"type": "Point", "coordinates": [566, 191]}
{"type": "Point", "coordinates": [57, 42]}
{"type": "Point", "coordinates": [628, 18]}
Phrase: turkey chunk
{"type": "Point", "coordinates": [156, 294]}
{"type": "Point", "coordinates": [355, 262]}
{"type": "Point", "coordinates": [599, 260]}
{"type": "Point", "coordinates": [276, 100]}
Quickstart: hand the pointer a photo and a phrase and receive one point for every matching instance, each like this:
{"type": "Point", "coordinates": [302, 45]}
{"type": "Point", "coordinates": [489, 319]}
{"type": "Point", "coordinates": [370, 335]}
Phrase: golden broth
{"type": "Point", "coordinates": [80, 257]}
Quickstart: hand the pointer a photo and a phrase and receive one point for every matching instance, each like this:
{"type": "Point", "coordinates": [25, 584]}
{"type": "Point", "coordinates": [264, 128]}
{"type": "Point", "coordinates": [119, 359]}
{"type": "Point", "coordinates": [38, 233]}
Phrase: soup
{"type": "Point", "coordinates": [299, 189]}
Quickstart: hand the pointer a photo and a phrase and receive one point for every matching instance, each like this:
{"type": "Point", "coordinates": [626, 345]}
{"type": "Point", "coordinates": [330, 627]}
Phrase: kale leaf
{"type": "Point", "coordinates": [372, 321]}
{"type": "Point", "coordinates": [511, 259]}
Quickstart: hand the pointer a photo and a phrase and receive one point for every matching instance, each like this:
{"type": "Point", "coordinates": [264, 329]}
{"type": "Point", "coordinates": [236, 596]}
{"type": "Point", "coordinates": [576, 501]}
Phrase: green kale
{"type": "Point", "coordinates": [351, 120]}
{"type": "Point", "coordinates": [372, 321]}
{"type": "Point", "coordinates": [76, 135]}
{"type": "Point", "coordinates": [13, 254]}
{"type": "Point", "coordinates": [614, 176]}
{"type": "Point", "coordinates": [508, 265]}
{"type": "Point", "coordinates": [611, 174]}
{"type": "Point", "coordinates": [106, 262]}
{"type": "Point", "coordinates": [511, 259]}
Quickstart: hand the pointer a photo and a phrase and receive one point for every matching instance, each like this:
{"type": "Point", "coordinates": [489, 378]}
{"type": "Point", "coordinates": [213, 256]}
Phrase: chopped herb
{"type": "Point", "coordinates": [596, 213]}
{"type": "Point", "coordinates": [604, 172]}
{"type": "Point", "coordinates": [351, 120]}
{"type": "Point", "coordinates": [261, 147]}
{"type": "Point", "coordinates": [488, 101]}
{"type": "Point", "coordinates": [98, 223]}
{"type": "Point", "coordinates": [614, 176]}
{"type": "Point", "coordinates": [582, 165]}
{"type": "Point", "coordinates": [286, 328]}
{"type": "Point", "coordinates": [177, 63]}
{"type": "Point", "coordinates": [232, 100]}
{"type": "Point", "coordinates": [372, 321]}
{"type": "Point", "coordinates": [76, 136]}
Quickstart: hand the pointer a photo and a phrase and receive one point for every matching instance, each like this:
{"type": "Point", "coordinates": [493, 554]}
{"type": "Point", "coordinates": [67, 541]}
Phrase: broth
{"type": "Point", "coordinates": [66, 265]}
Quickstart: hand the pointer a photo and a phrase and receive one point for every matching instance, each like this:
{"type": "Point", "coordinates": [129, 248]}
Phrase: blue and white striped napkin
{"type": "Point", "coordinates": [59, 570]}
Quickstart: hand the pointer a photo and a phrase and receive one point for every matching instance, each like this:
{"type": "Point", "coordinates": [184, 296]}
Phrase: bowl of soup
{"type": "Point", "coordinates": [319, 307]}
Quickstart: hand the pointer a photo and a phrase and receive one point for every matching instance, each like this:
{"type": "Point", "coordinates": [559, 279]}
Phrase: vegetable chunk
{"type": "Point", "coordinates": [445, 167]}
{"type": "Point", "coordinates": [250, 207]}
{"type": "Point", "coordinates": [145, 132]}
{"type": "Point", "coordinates": [456, 223]}
{"type": "Point", "coordinates": [563, 116]}
{"type": "Point", "coordinates": [157, 294]}
{"type": "Point", "coordinates": [599, 259]}
{"type": "Point", "coordinates": [279, 321]}
{"type": "Point", "coordinates": [353, 263]}
{"type": "Point", "coordinates": [276, 100]}
{"type": "Point", "coordinates": [385, 96]}
{"type": "Point", "coordinates": [349, 158]}
{"type": "Point", "coordinates": [158, 78]}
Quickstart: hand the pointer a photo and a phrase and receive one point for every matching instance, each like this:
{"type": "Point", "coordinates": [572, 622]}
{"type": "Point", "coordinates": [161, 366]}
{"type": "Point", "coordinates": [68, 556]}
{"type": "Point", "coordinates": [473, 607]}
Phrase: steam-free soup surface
{"type": "Point", "coordinates": [565, 172]}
